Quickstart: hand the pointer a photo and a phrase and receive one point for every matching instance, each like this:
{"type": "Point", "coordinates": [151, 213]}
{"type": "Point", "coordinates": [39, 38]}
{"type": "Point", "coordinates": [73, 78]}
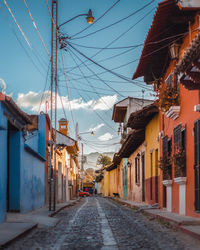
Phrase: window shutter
{"type": "Point", "coordinates": [165, 146]}
{"type": "Point", "coordinates": [177, 136]}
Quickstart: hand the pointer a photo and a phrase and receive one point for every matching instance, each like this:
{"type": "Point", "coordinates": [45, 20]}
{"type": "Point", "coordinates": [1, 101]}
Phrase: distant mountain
{"type": "Point", "coordinates": [91, 159]}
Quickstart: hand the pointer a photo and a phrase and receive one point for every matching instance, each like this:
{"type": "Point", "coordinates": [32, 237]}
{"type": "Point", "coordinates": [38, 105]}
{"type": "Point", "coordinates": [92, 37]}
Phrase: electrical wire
{"type": "Point", "coordinates": [110, 71]}
{"type": "Point", "coordinates": [96, 75]}
{"type": "Point", "coordinates": [99, 116]}
{"type": "Point", "coordinates": [113, 48]}
{"type": "Point", "coordinates": [44, 88]}
{"type": "Point", "coordinates": [90, 84]}
{"type": "Point", "coordinates": [67, 90]}
{"type": "Point", "coordinates": [22, 46]}
{"type": "Point", "coordinates": [51, 15]}
{"type": "Point", "coordinates": [119, 21]}
{"type": "Point", "coordinates": [19, 27]}
{"type": "Point", "coordinates": [35, 26]}
{"type": "Point", "coordinates": [96, 92]}
{"type": "Point", "coordinates": [78, 33]}
{"type": "Point", "coordinates": [121, 35]}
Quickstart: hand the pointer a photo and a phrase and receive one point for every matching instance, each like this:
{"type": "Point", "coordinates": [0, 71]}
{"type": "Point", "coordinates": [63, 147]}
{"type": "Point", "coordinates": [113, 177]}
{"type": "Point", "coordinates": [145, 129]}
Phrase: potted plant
{"type": "Point", "coordinates": [165, 164]}
{"type": "Point", "coordinates": [168, 96]}
{"type": "Point", "coordinates": [179, 160]}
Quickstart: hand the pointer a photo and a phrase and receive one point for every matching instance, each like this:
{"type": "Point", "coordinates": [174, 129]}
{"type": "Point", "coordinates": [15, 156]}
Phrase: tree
{"type": "Point", "coordinates": [103, 160]}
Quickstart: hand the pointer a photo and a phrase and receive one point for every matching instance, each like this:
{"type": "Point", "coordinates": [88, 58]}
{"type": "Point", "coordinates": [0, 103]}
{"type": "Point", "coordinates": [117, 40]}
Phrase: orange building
{"type": "Point", "coordinates": [170, 62]}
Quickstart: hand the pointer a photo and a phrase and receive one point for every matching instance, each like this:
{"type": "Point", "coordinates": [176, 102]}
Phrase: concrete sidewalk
{"type": "Point", "coordinates": [186, 224]}
{"type": "Point", "coordinates": [17, 224]}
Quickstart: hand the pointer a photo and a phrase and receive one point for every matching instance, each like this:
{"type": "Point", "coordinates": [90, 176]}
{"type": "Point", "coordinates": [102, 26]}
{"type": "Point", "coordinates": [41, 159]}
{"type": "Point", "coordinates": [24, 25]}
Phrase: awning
{"type": "Point", "coordinates": [140, 118]}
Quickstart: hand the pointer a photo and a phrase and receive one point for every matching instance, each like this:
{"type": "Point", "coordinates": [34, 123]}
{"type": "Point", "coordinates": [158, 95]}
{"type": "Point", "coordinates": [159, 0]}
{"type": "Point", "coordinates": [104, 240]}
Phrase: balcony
{"type": "Point", "coordinates": [173, 112]}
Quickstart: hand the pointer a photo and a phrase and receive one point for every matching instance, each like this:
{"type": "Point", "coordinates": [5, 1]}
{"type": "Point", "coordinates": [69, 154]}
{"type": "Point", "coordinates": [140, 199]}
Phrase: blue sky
{"type": "Point", "coordinates": [92, 90]}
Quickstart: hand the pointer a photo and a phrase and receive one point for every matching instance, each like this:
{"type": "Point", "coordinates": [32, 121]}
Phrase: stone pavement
{"type": "Point", "coordinates": [186, 224]}
{"type": "Point", "coordinates": [18, 224]}
{"type": "Point", "coordinates": [103, 224]}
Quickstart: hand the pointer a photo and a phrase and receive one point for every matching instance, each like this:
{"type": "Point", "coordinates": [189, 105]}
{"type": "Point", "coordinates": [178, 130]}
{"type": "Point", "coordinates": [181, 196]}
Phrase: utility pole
{"type": "Point", "coordinates": [54, 55]}
{"type": "Point", "coordinates": [82, 160]}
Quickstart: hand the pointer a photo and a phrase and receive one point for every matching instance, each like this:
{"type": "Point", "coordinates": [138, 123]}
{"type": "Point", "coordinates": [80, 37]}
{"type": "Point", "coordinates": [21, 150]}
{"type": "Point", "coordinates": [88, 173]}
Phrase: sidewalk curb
{"type": "Point", "coordinates": [174, 224]}
{"type": "Point", "coordinates": [18, 236]}
{"type": "Point", "coordinates": [26, 231]}
{"type": "Point", "coordinates": [61, 208]}
{"type": "Point", "coordinates": [189, 232]}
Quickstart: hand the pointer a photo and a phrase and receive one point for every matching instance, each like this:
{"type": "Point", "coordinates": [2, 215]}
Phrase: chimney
{"type": "Point", "coordinates": [63, 126]}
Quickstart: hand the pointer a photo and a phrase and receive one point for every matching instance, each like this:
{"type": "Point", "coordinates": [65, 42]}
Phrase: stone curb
{"type": "Point", "coordinates": [61, 208]}
{"type": "Point", "coordinates": [35, 225]}
{"type": "Point", "coordinates": [176, 225]}
{"type": "Point", "coordinates": [26, 231]}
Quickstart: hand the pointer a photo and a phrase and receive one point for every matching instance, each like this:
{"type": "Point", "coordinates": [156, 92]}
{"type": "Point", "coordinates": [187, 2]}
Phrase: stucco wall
{"type": "Point", "coordinates": [26, 169]}
{"type": "Point", "coordinates": [186, 118]}
{"type": "Point", "coordinates": [152, 156]}
{"type": "Point", "coordinates": [3, 164]}
{"type": "Point", "coordinates": [113, 181]}
{"type": "Point", "coordinates": [135, 189]}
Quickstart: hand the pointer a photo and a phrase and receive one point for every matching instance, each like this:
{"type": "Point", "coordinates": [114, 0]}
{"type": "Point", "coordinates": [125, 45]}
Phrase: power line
{"type": "Point", "coordinates": [110, 71]}
{"type": "Point", "coordinates": [22, 46]}
{"type": "Point", "coordinates": [121, 35]}
{"type": "Point", "coordinates": [90, 84]}
{"type": "Point", "coordinates": [96, 74]}
{"type": "Point", "coordinates": [35, 26]}
{"type": "Point", "coordinates": [97, 19]}
{"type": "Point", "coordinates": [67, 91]}
{"type": "Point", "coordinates": [44, 88]}
{"type": "Point", "coordinates": [113, 48]}
{"type": "Point", "coordinates": [94, 110]}
{"type": "Point", "coordinates": [19, 27]}
{"type": "Point", "coordinates": [119, 21]}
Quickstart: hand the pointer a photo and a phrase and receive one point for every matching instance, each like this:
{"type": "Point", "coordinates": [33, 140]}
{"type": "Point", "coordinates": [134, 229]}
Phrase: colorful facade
{"type": "Point", "coordinates": [174, 73]}
{"type": "Point", "coordinates": [22, 154]}
{"type": "Point", "coordinates": [152, 156]}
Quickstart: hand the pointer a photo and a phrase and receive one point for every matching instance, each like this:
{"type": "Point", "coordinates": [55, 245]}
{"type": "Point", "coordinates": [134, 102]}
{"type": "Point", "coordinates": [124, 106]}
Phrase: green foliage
{"type": "Point", "coordinates": [179, 160]}
{"type": "Point", "coordinates": [165, 164]}
{"type": "Point", "coordinates": [168, 97]}
{"type": "Point", "coordinates": [103, 160]}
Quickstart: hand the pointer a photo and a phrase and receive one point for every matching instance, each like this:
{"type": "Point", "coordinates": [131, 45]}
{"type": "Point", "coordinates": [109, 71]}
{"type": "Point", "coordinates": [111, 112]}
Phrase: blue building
{"type": "Point", "coordinates": [22, 159]}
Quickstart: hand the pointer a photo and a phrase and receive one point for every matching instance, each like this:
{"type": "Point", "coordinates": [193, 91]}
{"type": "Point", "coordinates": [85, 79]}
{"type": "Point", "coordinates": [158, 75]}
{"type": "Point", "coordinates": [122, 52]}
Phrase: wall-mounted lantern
{"type": "Point", "coordinates": [174, 50]}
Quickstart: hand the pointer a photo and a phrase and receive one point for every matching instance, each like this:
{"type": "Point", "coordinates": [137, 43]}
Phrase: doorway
{"type": "Point", "coordinates": [143, 177]}
{"type": "Point", "coordinates": [13, 169]}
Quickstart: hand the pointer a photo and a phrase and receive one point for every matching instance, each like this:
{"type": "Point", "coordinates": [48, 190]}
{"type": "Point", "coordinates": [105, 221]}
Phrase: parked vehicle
{"type": "Point", "coordinates": [83, 193]}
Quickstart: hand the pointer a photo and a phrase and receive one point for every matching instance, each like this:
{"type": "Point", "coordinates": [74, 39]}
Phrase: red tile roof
{"type": "Point", "coordinates": [168, 22]}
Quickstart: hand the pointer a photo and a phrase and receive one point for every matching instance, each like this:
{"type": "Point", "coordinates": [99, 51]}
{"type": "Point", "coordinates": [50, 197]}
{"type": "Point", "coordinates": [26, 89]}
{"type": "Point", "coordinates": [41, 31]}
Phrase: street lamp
{"type": "Point", "coordinates": [89, 18]}
{"type": "Point", "coordinates": [82, 133]}
{"type": "Point", "coordinates": [62, 39]}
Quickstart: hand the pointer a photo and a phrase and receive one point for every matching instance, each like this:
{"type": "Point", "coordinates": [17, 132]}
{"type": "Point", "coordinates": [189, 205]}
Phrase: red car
{"type": "Point", "coordinates": [83, 193]}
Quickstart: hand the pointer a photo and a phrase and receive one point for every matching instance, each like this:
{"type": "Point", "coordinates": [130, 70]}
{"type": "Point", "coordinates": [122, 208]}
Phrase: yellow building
{"type": "Point", "coordinates": [148, 119]}
{"type": "Point", "coordinates": [106, 186]}
{"type": "Point", "coordinates": [152, 171]}
{"type": "Point", "coordinates": [113, 181]}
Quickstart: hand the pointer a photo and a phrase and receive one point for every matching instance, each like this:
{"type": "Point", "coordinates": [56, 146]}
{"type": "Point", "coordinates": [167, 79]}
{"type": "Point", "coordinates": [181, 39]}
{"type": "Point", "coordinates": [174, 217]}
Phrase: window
{"type": "Point", "coordinates": [137, 169]}
{"type": "Point", "coordinates": [165, 146]}
{"type": "Point", "coordinates": [177, 137]}
{"type": "Point", "coordinates": [63, 126]}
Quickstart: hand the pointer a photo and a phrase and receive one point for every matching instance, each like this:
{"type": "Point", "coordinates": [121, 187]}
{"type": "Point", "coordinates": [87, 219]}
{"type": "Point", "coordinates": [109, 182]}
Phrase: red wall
{"type": "Point", "coordinates": [187, 118]}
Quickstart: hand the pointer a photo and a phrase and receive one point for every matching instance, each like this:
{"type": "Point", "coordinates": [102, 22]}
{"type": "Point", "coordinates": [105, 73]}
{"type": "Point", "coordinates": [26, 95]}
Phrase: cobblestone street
{"type": "Point", "coordinates": [99, 223]}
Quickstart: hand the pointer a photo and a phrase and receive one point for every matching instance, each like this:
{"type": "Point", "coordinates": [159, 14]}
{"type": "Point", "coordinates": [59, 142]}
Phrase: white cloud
{"type": "Point", "coordinates": [97, 127]}
{"type": "Point", "coordinates": [2, 86]}
{"type": "Point", "coordinates": [105, 137]}
{"type": "Point", "coordinates": [32, 101]}
{"type": "Point", "coordinates": [105, 102]}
